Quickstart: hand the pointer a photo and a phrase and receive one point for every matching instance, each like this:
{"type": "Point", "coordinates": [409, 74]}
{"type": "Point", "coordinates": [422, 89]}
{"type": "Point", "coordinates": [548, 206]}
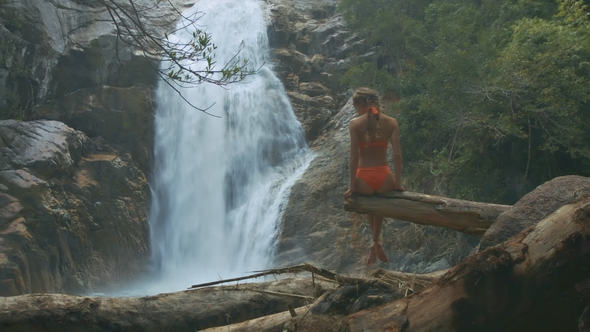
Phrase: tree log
{"type": "Point", "coordinates": [530, 282]}
{"type": "Point", "coordinates": [255, 305]}
{"type": "Point", "coordinates": [391, 283]}
{"type": "Point", "coordinates": [192, 310]}
{"type": "Point", "coordinates": [274, 322]}
{"type": "Point", "coordinates": [460, 215]}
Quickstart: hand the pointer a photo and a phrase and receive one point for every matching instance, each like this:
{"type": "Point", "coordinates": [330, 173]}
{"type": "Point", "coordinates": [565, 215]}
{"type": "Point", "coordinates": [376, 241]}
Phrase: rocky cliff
{"type": "Point", "coordinates": [311, 45]}
{"type": "Point", "coordinates": [312, 49]}
{"type": "Point", "coordinates": [72, 210]}
{"type": "Point", "coordinates": [73, 188]}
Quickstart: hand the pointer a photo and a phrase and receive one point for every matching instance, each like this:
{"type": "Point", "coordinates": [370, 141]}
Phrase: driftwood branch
{"type": "Point", "coordinates": [298, 296]}
{"type": "Point", "coordinates": [290, 269]}
{"type": "Point", "coordinates": [407, 283]}
{"type": "Point", "coordinates": [460, 215]}
{"type": "Point", "coordinates": [341, 279]}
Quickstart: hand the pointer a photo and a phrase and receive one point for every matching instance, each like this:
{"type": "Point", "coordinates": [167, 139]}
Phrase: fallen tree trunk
{"type": "Point", "coordinates": [365, 292]}
{"type": "Point", "coordinates": [192, 310]}
{"type": "Point", "coordinates": [460, 215]}
{"type": "Point", "coordinates": [528, 283]}
{"type": "Point", "coordinates": [259, 305]}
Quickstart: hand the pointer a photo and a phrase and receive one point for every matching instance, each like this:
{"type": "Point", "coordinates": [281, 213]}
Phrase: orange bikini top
{"type": "Point", "coordinates": [381, 144]}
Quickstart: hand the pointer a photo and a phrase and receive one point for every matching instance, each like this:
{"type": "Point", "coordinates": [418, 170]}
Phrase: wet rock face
{"type": "Point", "coordinates": [315, 227]}
{"type": "Point", "coordinates": [61, 60]}
{"type": "Point", "coordinates": [72, 210]}
{"type": "Point", "coordinates": [73, 191]}
{"type": "Point", "coordinates": [34, 35]}
{"type": "Point", "coordinates": [535, 206]}
{"type": "Point", "coordinates": [52, 48]}
{"type": "Point", "coordinates": [49, 147]}
{"type": "Point", "coordinates": [311, 45]}
{"type": "Point", "coordinates": [123, 116]}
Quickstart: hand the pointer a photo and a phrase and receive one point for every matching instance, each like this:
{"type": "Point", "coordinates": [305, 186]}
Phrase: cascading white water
{"type": "Point", "coordinates": [219, 184]}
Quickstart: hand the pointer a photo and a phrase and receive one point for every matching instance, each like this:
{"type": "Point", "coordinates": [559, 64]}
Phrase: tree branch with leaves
{"type": "Point", "coordinates": [183, 63]}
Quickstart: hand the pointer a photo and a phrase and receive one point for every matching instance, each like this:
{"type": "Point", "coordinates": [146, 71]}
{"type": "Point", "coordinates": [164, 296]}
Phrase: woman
{"type": "Point", "coordinates": [370, 134]}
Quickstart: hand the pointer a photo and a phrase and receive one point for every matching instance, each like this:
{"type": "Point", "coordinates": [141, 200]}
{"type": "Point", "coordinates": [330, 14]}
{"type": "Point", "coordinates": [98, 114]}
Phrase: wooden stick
{"type": "Point", "coordinates": [290, 269]}
{"type": "Point", "coordinates": [341, 279]}
{"type": "Point", "coordinates": [305, 297]}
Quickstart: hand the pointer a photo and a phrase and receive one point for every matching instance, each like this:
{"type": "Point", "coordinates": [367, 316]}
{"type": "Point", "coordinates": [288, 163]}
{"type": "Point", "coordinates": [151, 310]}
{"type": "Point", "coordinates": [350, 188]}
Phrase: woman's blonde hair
{"type": "Point", "coordinates": [368, 97]}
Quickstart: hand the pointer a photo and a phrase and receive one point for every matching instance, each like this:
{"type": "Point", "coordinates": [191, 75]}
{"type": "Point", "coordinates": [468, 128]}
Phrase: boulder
{"type": "Point", "coordinates": [73, 211]}
{"type": "Point", "coordinates": [313, 112]}
{"type": "Point", "coordinates": [536, 205]}
{"type": "Point", "coordinates": [49, 147]}
{"type": "Point", "coordinates": [123, 116]}
{"type": "Point", "coordinates": [313, 89]}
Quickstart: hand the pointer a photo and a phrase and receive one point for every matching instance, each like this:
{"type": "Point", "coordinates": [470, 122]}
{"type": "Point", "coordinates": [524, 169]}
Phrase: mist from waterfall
{"type": "Point", "coordinates": [219, 185]}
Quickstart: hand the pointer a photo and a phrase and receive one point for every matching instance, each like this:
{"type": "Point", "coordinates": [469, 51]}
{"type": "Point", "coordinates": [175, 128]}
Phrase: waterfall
{"type": "Point", "coordinates": [220, 184]}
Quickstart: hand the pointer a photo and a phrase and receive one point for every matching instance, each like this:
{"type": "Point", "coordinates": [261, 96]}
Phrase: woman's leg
{"type": "Point", "coordinates": [378, 224]}
{"type": "Point", "coordinates": [375, 222]}
{"type": "Point", "coordinates": [373, 252]}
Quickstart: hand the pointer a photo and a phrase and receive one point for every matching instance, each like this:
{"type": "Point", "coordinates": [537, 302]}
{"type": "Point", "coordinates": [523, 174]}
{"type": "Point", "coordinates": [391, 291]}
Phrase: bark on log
{"type": "Point", "coordinates": [270, 323]}
{"type": "Point", "coordinates": [460, 215]}
{"type": "Point", "coordinates": [192, 310]}
{"type": "Point", "coordinates": [392, 283]}
{"type": "Point", "coordinates": [527, 283]}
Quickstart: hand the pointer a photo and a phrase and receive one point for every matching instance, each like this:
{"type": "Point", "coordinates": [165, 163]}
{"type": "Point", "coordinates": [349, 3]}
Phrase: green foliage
{"type": "Point", "coordinates": [200, 50]}
{"type": "Point", "coordinates": [184, 64]}
{"type": "Point", "coordinates": [494, 94]}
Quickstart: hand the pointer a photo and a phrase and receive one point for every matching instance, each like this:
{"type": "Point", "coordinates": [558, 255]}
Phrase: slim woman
{"type": "Point", "coordinates": [370, 134]}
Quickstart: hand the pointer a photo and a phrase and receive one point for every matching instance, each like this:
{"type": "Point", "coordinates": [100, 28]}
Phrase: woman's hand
{"type": "Point", "coordinates": [348, 193]}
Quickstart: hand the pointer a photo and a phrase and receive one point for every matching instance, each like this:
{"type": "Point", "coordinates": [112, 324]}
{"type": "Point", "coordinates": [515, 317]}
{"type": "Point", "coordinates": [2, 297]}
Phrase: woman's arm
{"type": "Point", "coordinates": [397, 156]}
{"type": "Point", "coordinates": [354, 159]}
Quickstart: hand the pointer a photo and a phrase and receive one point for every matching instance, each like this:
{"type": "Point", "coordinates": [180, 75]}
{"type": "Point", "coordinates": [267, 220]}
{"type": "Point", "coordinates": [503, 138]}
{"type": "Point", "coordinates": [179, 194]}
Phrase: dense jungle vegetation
{"type": "Point", "coordinates": [494, 96]}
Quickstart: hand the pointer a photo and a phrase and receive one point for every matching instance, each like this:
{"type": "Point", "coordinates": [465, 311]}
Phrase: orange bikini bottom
{"type": "Point", "coordinates": [373, 176]}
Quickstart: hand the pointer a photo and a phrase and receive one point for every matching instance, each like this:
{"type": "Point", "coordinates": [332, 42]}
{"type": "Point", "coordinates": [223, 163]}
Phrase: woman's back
{"type": "Point", "coordinates": [372, 144]}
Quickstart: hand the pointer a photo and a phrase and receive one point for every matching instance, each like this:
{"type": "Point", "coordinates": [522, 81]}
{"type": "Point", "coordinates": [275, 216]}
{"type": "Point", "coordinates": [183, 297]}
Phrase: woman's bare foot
{"type": "Point", "coordinates": [380, 253]}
